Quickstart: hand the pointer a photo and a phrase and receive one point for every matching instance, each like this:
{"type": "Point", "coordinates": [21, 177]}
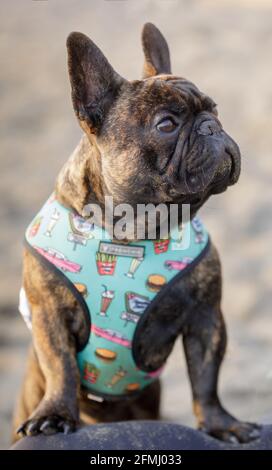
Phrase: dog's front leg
{"type": "Point", "coordinates": [204, 339]}
{"type": "Point", "coordinates": [57, 358]}
{"type": "Point", "coordinates": [56, 354]}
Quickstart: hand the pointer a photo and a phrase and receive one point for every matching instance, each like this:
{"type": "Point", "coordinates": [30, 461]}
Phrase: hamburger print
{"type": "Point", "coordinates": [105, 354]}
{"type": "Point", "coordinates": [155, 282]}
{"type": "Point", "coordinates": [132, 387]}
{"type": "Point", "coordinates": [82, 288]}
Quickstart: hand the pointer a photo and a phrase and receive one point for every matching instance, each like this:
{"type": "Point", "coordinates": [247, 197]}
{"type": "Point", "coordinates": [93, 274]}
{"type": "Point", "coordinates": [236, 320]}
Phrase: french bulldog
{"type": "Point", "coordinates": [155, 140]}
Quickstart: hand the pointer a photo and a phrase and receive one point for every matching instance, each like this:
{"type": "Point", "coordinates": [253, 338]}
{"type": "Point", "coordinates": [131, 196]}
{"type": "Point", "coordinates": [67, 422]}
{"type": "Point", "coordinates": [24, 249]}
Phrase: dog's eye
{"type": "Point", "coordinates": [167, 125]}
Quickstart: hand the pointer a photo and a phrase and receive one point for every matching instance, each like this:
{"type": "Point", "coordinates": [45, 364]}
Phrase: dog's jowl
{"type": "Point", "coordinates": [105, 311]}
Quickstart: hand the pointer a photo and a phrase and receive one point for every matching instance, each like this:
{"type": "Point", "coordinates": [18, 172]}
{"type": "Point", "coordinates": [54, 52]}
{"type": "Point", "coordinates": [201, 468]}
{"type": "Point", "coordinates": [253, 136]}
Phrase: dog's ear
{"type": "Point", "coordinates": [94, 82]}
{"type": "Point", "coordinates": [156, 51]}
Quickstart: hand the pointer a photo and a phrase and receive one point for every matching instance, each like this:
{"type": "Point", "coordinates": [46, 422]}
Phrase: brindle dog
{"type": "Point", "coordinates": [153, 140]}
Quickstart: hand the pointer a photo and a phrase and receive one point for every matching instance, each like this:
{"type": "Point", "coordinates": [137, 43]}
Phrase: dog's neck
{"type": "Point", "coordinates": [79, 182]}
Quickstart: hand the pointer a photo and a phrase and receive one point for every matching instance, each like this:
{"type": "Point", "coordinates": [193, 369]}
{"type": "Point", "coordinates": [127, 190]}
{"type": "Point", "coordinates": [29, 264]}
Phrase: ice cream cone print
{"type": "Point", "coordinates": [35, 226]}
{"type": "Point", "coordinates": [119, 375]}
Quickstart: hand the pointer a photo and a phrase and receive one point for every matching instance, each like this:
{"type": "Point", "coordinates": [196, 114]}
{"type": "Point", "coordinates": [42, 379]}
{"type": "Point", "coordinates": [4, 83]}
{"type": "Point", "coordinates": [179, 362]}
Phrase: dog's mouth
{"type": "Point", "coordinates": [195, 187]}
{"type": "Point", "coordinates": [219, 184]}
{"type": "Point", "coordinates": [207, 165]}
{"type": "Point", "coordinates": [227, 174]}
{"type": "Point", "coordinates": [195, 200]}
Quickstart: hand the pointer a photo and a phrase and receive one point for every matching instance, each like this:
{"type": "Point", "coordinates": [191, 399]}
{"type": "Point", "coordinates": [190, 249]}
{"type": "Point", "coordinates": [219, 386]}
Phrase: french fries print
{"type": "Point", "coordinates": [105, 264]}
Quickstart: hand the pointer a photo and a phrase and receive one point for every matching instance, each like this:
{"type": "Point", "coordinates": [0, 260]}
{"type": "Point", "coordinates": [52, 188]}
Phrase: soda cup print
{"type": "Point", "coordinates": [106, 299]}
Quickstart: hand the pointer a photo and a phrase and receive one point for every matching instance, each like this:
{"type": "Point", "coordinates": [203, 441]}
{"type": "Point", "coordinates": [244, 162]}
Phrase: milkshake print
{"type": "Point", "coordinates": [134, 265]}
{"type": "Point", "coordinates": [106, 299]}
{"type": "Point", "coordinates": [52, 223]}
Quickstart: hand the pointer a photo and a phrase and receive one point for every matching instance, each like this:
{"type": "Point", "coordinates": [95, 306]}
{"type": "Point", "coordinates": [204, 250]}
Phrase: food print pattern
{"type": "Point", "coordinates": [118, 281]}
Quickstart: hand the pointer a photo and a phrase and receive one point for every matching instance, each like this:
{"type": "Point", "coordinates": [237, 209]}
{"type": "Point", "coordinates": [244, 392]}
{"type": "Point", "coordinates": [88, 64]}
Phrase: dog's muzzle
{"type": "Point", "coordinates": [212, 161]}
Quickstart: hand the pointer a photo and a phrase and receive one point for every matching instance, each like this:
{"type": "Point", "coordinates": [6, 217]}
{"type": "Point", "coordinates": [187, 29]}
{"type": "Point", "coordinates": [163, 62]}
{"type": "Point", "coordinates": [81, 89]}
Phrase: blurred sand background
{"type": "Point", "coordinates": [223, 46]}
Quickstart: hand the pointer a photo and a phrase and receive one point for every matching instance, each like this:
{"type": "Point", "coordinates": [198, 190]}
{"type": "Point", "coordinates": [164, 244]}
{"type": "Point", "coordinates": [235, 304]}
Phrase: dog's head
{"type": "Point", "coordinates": [159, 139]}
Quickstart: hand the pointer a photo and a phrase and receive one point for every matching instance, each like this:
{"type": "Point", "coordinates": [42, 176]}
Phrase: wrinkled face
{"type": "Point", "coordinates": [162, 142]}
{"type": "Point", "coordinates": [158, 139]}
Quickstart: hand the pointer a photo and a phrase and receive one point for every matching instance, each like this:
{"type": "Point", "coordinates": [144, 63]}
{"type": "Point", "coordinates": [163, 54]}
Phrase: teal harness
{"type": "Point", "coordinates": [116, 285]}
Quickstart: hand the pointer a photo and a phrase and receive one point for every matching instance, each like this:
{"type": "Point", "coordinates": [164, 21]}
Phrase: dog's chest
{"type": "Point", "coordinates": [120, 286]}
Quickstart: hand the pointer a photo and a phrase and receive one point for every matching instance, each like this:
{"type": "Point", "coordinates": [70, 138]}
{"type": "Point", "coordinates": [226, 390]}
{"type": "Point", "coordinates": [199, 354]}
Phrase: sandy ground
{"type": "Point", "coordinates": [225, 47]}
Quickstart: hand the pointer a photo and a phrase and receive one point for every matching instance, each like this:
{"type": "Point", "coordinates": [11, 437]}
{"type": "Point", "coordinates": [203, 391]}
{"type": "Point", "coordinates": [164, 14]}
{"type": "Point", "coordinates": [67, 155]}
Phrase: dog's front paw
{"type": "Point", "coordinates": [223, 426]}
{"type": "Point", "coordinates": [49, 418]}
{"type": "Point", "coordinates": [46, 425]}
{"type": "Point", "coordinates": [239, 432]}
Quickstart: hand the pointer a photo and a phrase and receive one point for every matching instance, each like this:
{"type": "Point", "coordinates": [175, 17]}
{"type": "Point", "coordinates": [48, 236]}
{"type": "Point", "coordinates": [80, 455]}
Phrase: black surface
{"type": "Point", "coordinates": [138, 435]}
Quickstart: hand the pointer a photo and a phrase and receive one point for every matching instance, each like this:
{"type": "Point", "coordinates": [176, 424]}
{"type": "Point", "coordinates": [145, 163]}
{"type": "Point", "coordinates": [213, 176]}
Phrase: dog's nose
{"type": "Point", "coordinates": [209, 127]}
